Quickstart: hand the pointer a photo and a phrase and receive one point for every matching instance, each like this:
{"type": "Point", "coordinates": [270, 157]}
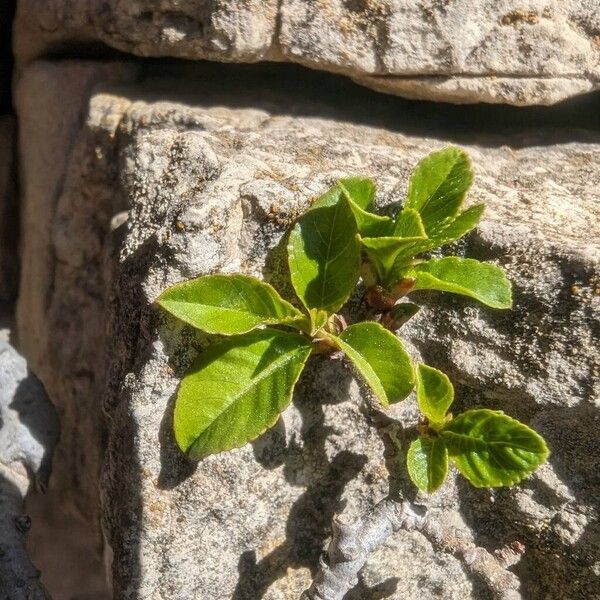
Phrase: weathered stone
{"type": "Point", "coordinates": [28, 434]}
{"type": "Point", "coordinates": [538, 52]}
{"type": "Point", "coordinates": [8, 211]}
{"type": "Point", "coordinates": [175, 188]}
{"type": "Point", "coordinates": [57, 277]}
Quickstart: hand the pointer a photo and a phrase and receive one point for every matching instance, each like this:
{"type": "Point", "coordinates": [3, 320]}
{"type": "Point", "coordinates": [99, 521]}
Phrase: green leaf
{"type": "Point", "coordinates": [446, 233]}
{"type": "Point", "coordinates": [491, 449]}
{"type": "Point", "coordinates": [456, 228]}
{"type": "Point", "coordinates": [380, 358]}
{"type": "Point", "coordinates": [324, 253]}
{"type": "Point", "coordinates": [438, 186]}
{"type": "Point", "coordinates": [237, 389]}
{"type": "Point", "coordinates": [228, 304]}
{"type": "Point", "coordinates": [466, 276]}
{"type": "Point", "coordinates": [384, 251]}
{"type": "Point", "coordinates": [369, 224]}
{"type": "Point", "coordinates": [409, 224]}
{"type": "Point", "coordinates": [359, 190]}
{"type": "Point", "coordinates": [435, 393]}
{"type": "Point", "coordinates": [427, 462]}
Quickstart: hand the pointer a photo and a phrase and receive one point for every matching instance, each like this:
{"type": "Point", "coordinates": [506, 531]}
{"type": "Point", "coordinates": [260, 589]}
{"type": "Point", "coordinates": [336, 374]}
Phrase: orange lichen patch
{"type": "Point", "coordinates": [576, 290]}
{"type": "Point", "coordinates": [516, 17]}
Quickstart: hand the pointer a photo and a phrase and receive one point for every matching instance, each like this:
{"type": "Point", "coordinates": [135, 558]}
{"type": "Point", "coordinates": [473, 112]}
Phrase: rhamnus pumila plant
{"type": "Point", "coordinates": [239, 386]}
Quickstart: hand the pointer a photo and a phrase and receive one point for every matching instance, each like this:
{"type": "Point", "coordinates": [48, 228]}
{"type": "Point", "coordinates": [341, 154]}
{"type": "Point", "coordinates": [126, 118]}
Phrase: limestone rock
{"type": "Point", "coordinates": [538, 52]}
{"type": "Point", "coordinates": [8, 210]}
{"type": "Point", "coordinates": [155, 191]}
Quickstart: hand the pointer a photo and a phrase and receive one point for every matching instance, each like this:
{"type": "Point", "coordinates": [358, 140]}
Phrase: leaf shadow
{"type": "Point", "coordinates": [305, 463]}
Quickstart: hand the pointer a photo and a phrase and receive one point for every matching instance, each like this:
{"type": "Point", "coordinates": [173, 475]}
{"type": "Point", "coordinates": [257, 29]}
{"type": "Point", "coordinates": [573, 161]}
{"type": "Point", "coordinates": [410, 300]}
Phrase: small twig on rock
{"type": "Point", "coordinates": [353, 542]}
{"type": "Point", "coordinates": [28, 434]}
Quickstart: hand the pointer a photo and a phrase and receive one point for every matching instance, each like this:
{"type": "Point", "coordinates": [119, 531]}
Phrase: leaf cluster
{"type": "Point", "coordinates": [489, 448]}
{"type": "Point", "coordinates": [238, 387]}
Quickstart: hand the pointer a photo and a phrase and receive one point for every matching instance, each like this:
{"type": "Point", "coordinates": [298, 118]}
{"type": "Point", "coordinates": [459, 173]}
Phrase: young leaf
{"type": "Point", "coordinates": [369, 224]}
{"type": "Point", "coordinates": [384, 251]}
{"type": "Point", "coordinates": [435, 393]}
{"type": "Point", "coordinates": [228, 304]}
{"type": "Point", "coordinates": [491, 449]}
{"type": "Point", "coordinates": [324, 253]}
{"type": "Point", "coordinates": [466, 276]}
{"type": "Point", "coordinates": [427, 462]}
{"type": "Point", "coordinates": [380, 358]}
{"type": "Point", "coordinates": [236, 390]}
{"type": "Point", "coordinates": [438, 186]}
{"type": "Point", "coordinates": [409, 224]}
{"type": "Point", "coordinates": [359, 190]}
{"type": "Point", "coordinates": [458, 227]}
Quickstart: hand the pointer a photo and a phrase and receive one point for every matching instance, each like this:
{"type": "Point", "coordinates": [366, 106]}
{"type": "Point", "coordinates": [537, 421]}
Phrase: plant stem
{"type": "Point", "coordinates": [353, 542]}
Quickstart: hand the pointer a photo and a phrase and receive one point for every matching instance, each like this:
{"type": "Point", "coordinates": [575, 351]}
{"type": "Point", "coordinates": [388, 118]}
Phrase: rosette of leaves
{"type": "Point", "coordinates": [238, 387]}
{"type": "Point", "coordinates": [488, 447]}
{"type": "Point", "coordinates": [431, 216]}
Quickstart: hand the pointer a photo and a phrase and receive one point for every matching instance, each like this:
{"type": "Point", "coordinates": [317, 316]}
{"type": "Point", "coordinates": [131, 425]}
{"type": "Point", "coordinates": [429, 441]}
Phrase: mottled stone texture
{"type": "Point", "coordinates": [65, 209]}
{"type": "Point", "coordinates": [127, 194]}
{"type": "Point", "coordinates": [505, 51]}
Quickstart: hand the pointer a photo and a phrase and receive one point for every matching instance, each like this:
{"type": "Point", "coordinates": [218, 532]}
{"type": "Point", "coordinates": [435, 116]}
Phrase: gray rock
{"type": "Point", "coordinates": [56, 277]}
{"type": "Point", "coordinates": [28, 434]}
{"type": "Point", "coordinates": [8, 210]}
{"type": "Point", "coordinates": [539, 52]}
{"type": "Point", "coordinates": [155, 191]}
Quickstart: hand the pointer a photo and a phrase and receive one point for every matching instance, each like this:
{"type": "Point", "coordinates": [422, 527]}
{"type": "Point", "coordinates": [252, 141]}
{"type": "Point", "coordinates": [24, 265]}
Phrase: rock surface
{"type": "Point", "coordinates": [153, 191]}
{"type": "Point", "coordinates": [537, 52]}
{"type": "Point", "coordinates": [28, 434]}
{"type": "Point", "coordinates": [57, 278]}
{"type": "Point", "coordinates": [8, 210]}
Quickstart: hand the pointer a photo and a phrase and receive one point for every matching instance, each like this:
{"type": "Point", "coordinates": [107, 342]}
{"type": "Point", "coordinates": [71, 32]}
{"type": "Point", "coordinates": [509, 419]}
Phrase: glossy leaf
{"type": "Point", "coordinates": [482, 281]}
{"type": "Point", "coordinates": [446, 233]}
{"type": "Point", "coordinates": [384, 251]}
{"type": "Point", "coordinates": [458, 227]}
{"type": "Point", "coordinates": [491, 449]}
{"type": "Point", "coordinates": [228, 304]}
{"type": "Point", "coordinates": [435, 393]}
{"type": "Point", "coordinates": [369, 224]}
{"type": "Point", "coordinates": [438, 186]}
{"type": "Point", "coordinates": [409, 224]}
{"type": "Point", "coordinates": [359, 190]}
{"type": "Point", "coordinates": [324, 253]}
{"type": "Point", "coordinates": [380, 358]}
{"type": "Point", "coordinates": [237, 389]}
{"type": "Point", "coordinates": [427, 462]}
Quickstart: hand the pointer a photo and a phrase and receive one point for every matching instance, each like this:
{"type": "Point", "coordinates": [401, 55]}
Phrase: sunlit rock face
{"type": "Point", "coordinates": [538, 52]}
{"type": "Point", "coordinates": [131, 184]}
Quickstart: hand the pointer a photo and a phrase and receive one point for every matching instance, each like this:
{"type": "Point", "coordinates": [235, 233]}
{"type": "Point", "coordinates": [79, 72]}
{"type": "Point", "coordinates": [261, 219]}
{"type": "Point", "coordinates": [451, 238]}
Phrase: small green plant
{"type": "Point", "coordinates": [238, 387]}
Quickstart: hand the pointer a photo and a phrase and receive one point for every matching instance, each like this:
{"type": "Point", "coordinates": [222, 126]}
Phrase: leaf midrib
{"type": "Point", "coordinates": [419, 210]}
{"type": "Point", "coordinates": [488, 443]}
{"type": "Point", "coordinates": [327, 261]}
{"type": "Point", "coordinates": [237, 311]}
{"type": "Point", "coordinates": [278, 363]}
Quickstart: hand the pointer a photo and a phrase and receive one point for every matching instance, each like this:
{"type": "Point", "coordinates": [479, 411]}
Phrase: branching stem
{"type": "Point", "coordinates": [353, 541]}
